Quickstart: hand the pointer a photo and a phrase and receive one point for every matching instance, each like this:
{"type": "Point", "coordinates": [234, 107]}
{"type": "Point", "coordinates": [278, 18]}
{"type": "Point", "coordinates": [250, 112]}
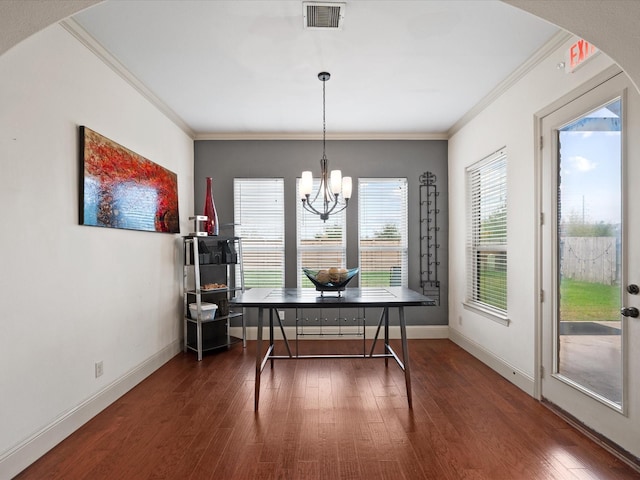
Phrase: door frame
{"type": "Point", "coordinates": [599, 79]}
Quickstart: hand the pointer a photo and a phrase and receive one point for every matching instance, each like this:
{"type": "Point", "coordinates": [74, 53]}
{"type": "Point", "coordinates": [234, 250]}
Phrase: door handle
{"type": "Point", "coordinates": [633, 289]}
{"type": "Point", "coordinates": [630, 312]}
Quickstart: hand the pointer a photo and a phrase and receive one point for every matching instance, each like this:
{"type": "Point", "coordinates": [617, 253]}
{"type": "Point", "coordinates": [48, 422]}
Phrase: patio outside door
{"type": "Point", "coordinates": [591, 260]}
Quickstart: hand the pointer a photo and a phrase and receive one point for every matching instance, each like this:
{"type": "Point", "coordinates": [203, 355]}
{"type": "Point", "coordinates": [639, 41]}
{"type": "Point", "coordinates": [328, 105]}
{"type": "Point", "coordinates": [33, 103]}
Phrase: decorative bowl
{"type": "Point", "coordinates": [330, 279]}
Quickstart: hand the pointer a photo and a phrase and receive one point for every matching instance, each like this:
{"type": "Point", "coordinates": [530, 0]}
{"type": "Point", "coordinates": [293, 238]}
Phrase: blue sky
{"type": "Point", "coordinates": [591, 169]}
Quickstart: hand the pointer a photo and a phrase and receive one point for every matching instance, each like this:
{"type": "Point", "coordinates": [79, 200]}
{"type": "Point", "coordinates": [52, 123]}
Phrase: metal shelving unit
{"type": "Point", "coordinates": [211, 259]}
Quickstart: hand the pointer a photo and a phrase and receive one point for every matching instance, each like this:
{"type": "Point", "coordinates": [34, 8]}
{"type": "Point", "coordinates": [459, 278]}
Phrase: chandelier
{"type": "Point", "coordinates": [327, 199]}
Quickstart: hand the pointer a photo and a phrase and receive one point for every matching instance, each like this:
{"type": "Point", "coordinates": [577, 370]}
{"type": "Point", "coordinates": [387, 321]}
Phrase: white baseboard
{"type": "Point", "coordinates": [514, 375]}
{"type": "Point", "coordinates": [413, 331]}
{"type": "Point", "coordinates": [25, 453]}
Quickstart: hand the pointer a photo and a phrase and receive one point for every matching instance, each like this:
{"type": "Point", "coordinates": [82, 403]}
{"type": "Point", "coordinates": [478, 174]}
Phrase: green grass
{"type": "Point", "coordinates": [583, 301]}
{"type": "Point", "coordinates": [374, 278]}
{"type": "Point", "coordinates": [491, 281]}
{"type": "Point", "coordinates": [579, 301]}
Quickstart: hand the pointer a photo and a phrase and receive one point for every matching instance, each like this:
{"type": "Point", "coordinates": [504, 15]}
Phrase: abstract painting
{"type": "Point", "coordinates": [121, 189]}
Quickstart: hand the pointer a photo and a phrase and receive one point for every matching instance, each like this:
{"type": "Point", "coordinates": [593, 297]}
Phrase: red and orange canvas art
{"type": "Point", "coordinates": [121, 189]}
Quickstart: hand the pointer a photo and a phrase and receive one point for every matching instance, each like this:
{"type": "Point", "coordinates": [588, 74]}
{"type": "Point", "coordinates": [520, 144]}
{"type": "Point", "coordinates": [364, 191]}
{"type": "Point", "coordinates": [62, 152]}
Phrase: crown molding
{"type": "Point", "coordinates": [75, 29]}
{"type": "Point", "coordinates": [318, 136]}
{"type": "Point", "coordinates": [541, 54]}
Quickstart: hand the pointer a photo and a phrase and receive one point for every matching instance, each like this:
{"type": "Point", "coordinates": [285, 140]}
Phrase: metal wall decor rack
{"type": "Point", "coordinates": [429, 229]}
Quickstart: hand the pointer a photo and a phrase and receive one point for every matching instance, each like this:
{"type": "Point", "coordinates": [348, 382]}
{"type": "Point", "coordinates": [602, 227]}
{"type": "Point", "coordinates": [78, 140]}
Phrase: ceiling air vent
{"type": "Point", "coordinates": [323, 15]}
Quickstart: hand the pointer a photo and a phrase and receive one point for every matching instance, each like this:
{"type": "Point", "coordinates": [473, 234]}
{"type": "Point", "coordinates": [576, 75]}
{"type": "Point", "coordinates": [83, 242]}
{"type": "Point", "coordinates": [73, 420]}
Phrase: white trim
{"type": "Point", "coordinates": [547, 49]}
{"type": "Point", "coordinates": [513, 374]}
{"type": "Point", "coordinates": [413, 332]}
{"type": "Point", "coordinates": [537, 274]}
{"type": "Point", "coordinates": [28, 451]}
{"type": "Point", "coordinates": [602, 77]}
{"type": "Point", "coordinates": [318, 136]}
{"type": "Point", "coordinates": [488, 313]}
{"type": "Point", "coordinates": [75, 29]}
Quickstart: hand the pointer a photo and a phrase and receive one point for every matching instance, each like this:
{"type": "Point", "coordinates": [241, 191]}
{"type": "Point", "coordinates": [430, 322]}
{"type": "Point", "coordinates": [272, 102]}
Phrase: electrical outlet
{"type": "Point", "coordinates": [281, 314]}
{"type": "Point", "coordinates": [99, 369]}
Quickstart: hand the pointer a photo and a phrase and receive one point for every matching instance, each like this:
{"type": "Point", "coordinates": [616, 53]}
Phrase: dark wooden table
{"type": "Point", "coordinates": [374, 297]}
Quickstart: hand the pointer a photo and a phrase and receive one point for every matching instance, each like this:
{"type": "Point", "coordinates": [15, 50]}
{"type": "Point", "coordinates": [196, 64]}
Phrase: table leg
{"type": "Point", "coordinates": [405, 354]}
{"type": "Point", "coordinates": [364, 332]}
{"type": "Point", "coordinates": [297, 329]}
{"type": "Point", "coordinates": [244, 328]}
{"type": "Point", "coordinates": [375, 337]}
{"type": "Point", "coordinates": [284, 335]}
{"type": "Point", "coordinates": [386, 335]}
{"type": "Point", "coordinates": [271, 332]}
{"type": "Point", "coordinates": [258, 356]}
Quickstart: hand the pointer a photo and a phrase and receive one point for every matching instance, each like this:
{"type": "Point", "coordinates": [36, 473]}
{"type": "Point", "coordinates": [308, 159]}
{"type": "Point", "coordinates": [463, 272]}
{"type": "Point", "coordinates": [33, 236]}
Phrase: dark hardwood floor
{"type": "Point", "coordinates": [328, 419]}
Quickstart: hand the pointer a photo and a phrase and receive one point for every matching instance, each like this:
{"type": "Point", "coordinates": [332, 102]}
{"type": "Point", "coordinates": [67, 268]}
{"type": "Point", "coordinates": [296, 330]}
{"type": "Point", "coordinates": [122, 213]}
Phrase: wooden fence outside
{"type": "Point", "coordinates": [590, 259]}
{"type": "Point", "coordinates": [374, 254]}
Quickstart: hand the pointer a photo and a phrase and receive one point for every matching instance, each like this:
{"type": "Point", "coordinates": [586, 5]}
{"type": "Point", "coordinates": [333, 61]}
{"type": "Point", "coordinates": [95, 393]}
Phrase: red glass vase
{"type": "Point", "coordinates": [210, 211]}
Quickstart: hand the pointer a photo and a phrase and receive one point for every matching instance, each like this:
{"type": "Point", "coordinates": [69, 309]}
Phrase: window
{"type": "Point", "coordinates": [319, 244]}
{"type": "Point", "coordinates": [259, 219]}
{"type": "Point", "coordinates": [382, 231]}
{"type": "Point", "coordinates": [487, 235]}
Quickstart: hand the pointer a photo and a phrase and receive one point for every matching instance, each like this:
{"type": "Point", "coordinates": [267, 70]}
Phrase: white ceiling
{"type": "Point", "coordinates": [240, 67]}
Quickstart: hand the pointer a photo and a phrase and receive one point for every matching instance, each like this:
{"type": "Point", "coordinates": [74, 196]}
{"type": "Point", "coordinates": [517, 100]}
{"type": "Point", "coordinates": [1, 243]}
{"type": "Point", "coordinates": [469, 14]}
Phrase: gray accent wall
{"type": "Point", "coordinates": [223, 160]}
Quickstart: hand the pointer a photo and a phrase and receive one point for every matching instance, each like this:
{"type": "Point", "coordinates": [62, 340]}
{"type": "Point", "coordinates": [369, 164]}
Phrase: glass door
{"type": "Point", "coordinates": [590, 254]}
{"type": "Point", "coordinates": [589, 243]}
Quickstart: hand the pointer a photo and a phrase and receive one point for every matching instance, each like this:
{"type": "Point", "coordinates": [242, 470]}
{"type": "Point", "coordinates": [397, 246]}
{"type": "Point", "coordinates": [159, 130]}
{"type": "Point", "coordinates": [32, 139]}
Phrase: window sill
{"type": "Point", "coordinates": [488, 313]}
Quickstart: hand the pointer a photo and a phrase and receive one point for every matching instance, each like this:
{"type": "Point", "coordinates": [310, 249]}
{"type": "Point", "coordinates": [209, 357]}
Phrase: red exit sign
{"type": "Point", "coordinates": [579, 53]}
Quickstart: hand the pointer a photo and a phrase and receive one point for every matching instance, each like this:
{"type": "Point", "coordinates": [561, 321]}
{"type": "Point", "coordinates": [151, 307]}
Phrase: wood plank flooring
{"type": "Point", "coordinates": [328, 419]}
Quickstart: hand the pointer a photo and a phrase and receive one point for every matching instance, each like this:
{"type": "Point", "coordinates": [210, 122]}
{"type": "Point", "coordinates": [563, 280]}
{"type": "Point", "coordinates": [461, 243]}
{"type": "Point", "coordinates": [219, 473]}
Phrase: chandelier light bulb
{"type": "Point", "coordinates": [346, 187]}
{"type": "Point", "coordinates": [336, 182]}
{"type": "Point", "coordinates": [306, 184]}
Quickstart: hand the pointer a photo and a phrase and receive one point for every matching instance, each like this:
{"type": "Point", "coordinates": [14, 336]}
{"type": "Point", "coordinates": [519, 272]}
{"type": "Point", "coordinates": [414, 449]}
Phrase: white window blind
{"type": "Point", "coordinates": [383, 231]}
{"type": "Point", "coordinates": [259, 219]}
{"type": "Point", "coordinates": [487, 233]}
{"type": "Point", "coordinates": [319, 244]}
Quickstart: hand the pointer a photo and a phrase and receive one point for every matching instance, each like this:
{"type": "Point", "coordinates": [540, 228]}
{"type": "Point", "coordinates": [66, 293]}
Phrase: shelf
{"type": "Point", "coordinates": [219, 238]}
{"type": "Point", "coordinates": [211, 260]}
{"type": "Point", "coordinates": [202, 265]}
{"type": "Point", "coordinates": [216, 318]}
{"type": "Point", "coordinates": [210, 264]}
{"type": "Point", "coordinates": [215, 346]}
{"type": "Point", "coordinates": [209, 292]}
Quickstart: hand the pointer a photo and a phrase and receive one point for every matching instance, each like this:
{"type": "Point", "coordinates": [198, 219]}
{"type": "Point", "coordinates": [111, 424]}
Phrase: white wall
{"type": "Point", "coordinates": [509, 121]}
{"type": "Point", "coordinates": [72, 295]}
